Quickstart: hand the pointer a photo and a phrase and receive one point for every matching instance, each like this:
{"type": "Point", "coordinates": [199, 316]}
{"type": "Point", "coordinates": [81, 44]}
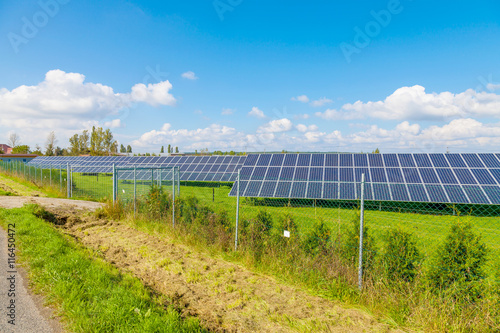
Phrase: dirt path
{"type": "Point", "coordinates": [223, 295]}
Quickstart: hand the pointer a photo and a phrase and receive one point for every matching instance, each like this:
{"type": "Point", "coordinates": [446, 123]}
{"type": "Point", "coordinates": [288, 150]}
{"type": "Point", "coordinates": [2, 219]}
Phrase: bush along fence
{"type": "Point", "coordinates": [393, 256]}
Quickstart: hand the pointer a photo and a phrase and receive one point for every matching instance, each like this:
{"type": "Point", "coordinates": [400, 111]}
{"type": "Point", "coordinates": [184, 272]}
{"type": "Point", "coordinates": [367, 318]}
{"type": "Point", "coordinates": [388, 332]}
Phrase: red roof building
{"type": "Point", "coordinates": [5, 148]}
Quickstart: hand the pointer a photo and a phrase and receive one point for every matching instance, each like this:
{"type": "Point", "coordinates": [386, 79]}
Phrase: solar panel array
{"type": "Point", "coordinates": [191, 168]}
{"type": "Point", "coordinates": [444, 178]}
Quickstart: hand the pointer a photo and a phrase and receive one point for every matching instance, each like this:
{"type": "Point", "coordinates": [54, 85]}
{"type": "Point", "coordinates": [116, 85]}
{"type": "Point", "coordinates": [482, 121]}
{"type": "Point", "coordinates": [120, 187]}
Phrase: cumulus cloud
{"type": "Point", "coordinates": [304, 128]}
{"type": "Point", "coordinates": [320, 102]}
{"type": "Point", "coordinates": [256, 112]}
{"type": "Point", "coordinates": [301, 98]}
{"type": "Point", "coordinates": [189, 75]}
{"type": "Point", "coordinates": [275, 126]}
{"type": "Point", "coordinates": [115, 123]}
{"type": "Point", "coordinates": [227, 112]}
{"type": "Point", "coordinates": [492, 86]}
{"type": "Point", "coordinates": [414, 103]}
{"type": "Point", "coordinates": [65, 102]}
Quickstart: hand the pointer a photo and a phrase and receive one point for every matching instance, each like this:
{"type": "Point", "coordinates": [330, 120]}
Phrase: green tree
{"type": "Point", "coordinates": [401, 256]}
{"type": "Point", "coordinates": [83, 143]}
{"type": "Point", "coordinates": [58, 151]}
{"type": "Point", "coordinates": [21, 149]}
{"type": "Point", "coordinates": [177, 150]}
{"type": "Point", "coordinates": [376, 151]}
{"type": "Point", "coordinates": [123, 149]}
{"type": "Point", "coordinates": [169, 149]}
{"type": "Point", "coordinates": [74, 145]}
{"type": "Point", "coordinates": [129, 149]}
{"type": "Point", "coordinates": [162, 150]}
{"type": "Point", "coordinates": [38, 150]}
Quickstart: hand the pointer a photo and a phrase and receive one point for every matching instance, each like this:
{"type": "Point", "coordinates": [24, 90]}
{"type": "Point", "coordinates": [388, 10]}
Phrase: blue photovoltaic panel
{"type": "Point", "coordinates": [332, 160]}
{"type": "Point", "coordinates": [330, 190]}
{"type": "Point", "coordinates": [417, 192]}
{"type": "Point", "coordinates": [490, 160]}
{"type": "Point", "coordinates": [455, 193]}
{"type": "Point", "coordinates": [264, 160]}
{"type": "Point", "coordinates": [375, 160]}
{"type": "Point", "coordinates": [301, 174]}
{"type": "Point", "coordinates": [251, 160]}
{"type": "Point", "coordinates": [331, 174]}
{"type": "Point", "coordinates": [316, 174]}
{"type": "Point", "coordinates": [259, 173]}
{"type": "Point", "coordinates": [346, 175]}
{"type": "Point", "coordinates": [290, 160]}
{"type": "Point", "coordinates": [283, 189]}
{"type": "Point", "coordinates": [381, 192]}
{"type": "Point", "coordinates": [446, 176]}
{"type": "Point", "coordinates": [406, 160]}
{"type": "Point", "coordinates": [359, 171]}
{"type": "Point", "coordinates": [346, 160]}
{"type": "Point", "coordinates": [439, 161]}
{"type": "Point", "coordinates": [483, 176]}
{"type": "Point", "coordinates": [360, 160]}
{"type": "Point", "coordinates": [394, 175]}
{"type": "Point", "coordinates": [346, 191]}
{"type": "Point", "coordinates": [399, 192]}
{"type": "Point", "coordinates": [287, 173]}
{"type": "Point", "coordinates": [304, 160]}
{"type": "Point", "coordinates": [465, 176]}
{"type": "Point", "coordinates": [391, 160]}
{"type": "Point", "coordinates": [273, 173]}
{"type": "Point", "coordinates": [314, 190]}
{"type": "Point", "coordinates": [253, 189]}
{"type": "Point", "coordinates": [472, 161]}
{"type": "Point", "coordinates": [411, 175]}
{"type": "Point", "coordinates": [455, 160]}
{"type": "Point", "coordinates": [318, 160]}
{"type": "Point", "coordinates": [475, 194]}
{"type": "Point", "coordinates": [277, 159]}
{"type": "Point", "coordinates": [268, 188]}
{"type": "Point", "coordinates": [378, 175]}
{"type": "Point", "coordinates": [429, 176]}
{"type": "Point", "coordinates": [493, 193]}
{"type": "Point", "coordinates": [298, 190]}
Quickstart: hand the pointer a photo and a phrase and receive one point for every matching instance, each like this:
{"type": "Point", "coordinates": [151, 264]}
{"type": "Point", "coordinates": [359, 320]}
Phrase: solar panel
{"type": "Point", "coordinates": [447, 178]}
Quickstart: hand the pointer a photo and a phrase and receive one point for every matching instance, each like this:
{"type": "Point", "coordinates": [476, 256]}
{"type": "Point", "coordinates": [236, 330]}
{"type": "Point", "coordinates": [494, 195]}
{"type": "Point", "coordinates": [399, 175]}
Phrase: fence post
{"type": "Point", "coordinates": [178, 181]}
{"type": "Point", "coordinates": [50, 176]}
{"type": "Point", "coordinates": [361, 222]}
{"type": "Point", "coordinates": [60, 178]}
{"type": "Point", "coordinates": [67, 180]}
{"type": "Point", "coordinates": [41, 176]}
{"type": "Point", "coordinates": [173, 196]}
{"type": "Point", "coordinates": [135, 189]}
{"type": "Point", "coordinates": [237, 210]}
{"type": "Point", "coordinates": [114, 183]}
{"type": "Point", "coordinates": [71, 181]}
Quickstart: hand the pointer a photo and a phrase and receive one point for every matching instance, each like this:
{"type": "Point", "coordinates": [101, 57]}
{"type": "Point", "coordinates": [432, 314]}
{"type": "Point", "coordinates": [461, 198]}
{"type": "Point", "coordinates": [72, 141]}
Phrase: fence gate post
{"type": "Point", "coordinates": [114, 183]}
{"type": "Point", "coordinates": [361, 222]}
{"type": "Point", "coordinates": [135, 189]}
{"type": "Point", "coordinates": [173, 196]}
{"type": "Point", "coordinates": [237, 210]}
{"type": "Point", "coordinates": [67, 180]}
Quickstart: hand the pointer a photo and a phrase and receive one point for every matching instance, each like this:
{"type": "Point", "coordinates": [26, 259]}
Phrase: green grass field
{"type": "Point", "coordinates": [429, 228]}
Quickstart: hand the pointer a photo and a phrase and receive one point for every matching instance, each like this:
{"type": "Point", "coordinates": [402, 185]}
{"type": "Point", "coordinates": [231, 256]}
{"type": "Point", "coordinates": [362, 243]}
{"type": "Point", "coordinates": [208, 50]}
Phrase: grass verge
{"type": "Point", "coordinates": [88, 293]}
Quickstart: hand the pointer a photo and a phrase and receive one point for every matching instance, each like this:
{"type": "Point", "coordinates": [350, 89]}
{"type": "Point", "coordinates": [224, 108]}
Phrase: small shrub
{"type": "Point", "coordinates": [263, 221]}
{"type": "Point", "coordinates": [459, 262]}
{"type": "Point", "coordinates": [113, 210]}
{"type": "Point", "coordinates": [401, 255]}
{"type": "Point", "coordinates": [317, 239]}
{"type": "Point", "coordinates": [157, 201]}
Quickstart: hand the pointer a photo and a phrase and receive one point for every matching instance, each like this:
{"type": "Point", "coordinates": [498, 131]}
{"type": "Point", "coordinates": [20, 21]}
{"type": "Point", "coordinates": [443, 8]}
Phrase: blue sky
{"type": "Point", "coordinates": [254, 75]}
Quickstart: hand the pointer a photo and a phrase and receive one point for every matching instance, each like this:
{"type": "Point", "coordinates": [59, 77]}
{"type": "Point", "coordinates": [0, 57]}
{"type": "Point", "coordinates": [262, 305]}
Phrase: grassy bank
{"type": "Point", "coordinates": [452, 290]}
{"type": "Point", "coordinates": [88, 293]}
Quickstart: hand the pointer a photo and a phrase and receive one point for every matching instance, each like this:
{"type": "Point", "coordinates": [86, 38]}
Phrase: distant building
{"type": "Point", "coordinates": [5, 148]}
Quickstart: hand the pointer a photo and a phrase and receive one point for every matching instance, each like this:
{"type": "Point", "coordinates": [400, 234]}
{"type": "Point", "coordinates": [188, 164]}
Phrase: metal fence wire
{"type": "Point", "coordinates": [369, 239]}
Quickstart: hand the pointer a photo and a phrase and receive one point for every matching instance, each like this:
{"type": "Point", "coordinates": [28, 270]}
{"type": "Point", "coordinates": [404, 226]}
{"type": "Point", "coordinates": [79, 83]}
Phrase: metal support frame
{"type": "Point", "coordinates": [361, 228]}
{"type": "Point", "coordinates": [237, 210]}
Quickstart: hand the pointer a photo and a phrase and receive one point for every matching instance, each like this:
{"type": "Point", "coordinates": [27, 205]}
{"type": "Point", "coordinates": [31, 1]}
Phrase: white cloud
{"type": "Point", "coordinates": [320, 102]}
{"type": "Point", "coordinates": [189, 75]}
{"type": "Point", "coordinates": [256, 112]}
{"type": "Point", "coordinates": [492, 86]}
{"type": "Point", "coordinates": [64, 102]}
{"type": "Point", "coordinates": [227, 111]}
{"type": "Point", "coordinates": [301, 116]}
{"type": "Point", "coordinates": [275, 126]}
{"type": "Point", "coordinates": [413, 103]}
{"type": "Point", "coordinates": [304, 128]}
{"type": "Point", "coordinates": [115, 123]}
{"type": "Point", "coordinates": [301, 98]}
